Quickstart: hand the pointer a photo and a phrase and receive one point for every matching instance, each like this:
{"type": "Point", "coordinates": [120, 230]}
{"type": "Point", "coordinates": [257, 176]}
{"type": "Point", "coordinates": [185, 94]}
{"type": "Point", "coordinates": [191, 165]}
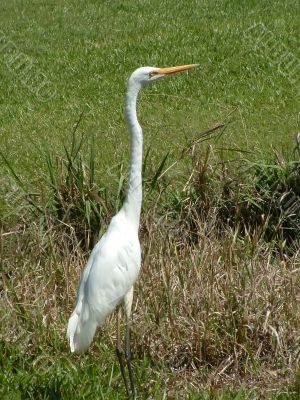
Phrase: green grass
{"type": "Point", "coordinates": [62, 377]}
{"type": "Point", "coordinates": [87, 50]}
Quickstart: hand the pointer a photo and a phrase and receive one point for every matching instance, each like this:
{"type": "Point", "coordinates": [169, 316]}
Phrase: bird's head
{"type": "Point", "coordinates": [145, 75]}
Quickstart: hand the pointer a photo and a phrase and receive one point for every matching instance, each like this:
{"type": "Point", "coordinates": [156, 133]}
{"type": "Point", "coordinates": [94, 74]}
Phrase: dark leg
{"type": "Point", "coordinates": [128, 359]}
{"type": "Point", "coordinates": [128, 302]}
{"type": "Point", "coordinates": [120, 354]}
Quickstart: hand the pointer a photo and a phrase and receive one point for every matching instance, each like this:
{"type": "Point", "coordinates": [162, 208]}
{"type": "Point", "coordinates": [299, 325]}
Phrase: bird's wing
{"type": "Point", "coordinates": [80, 342]}
{"type": "Point", "coordinates": [85, 274]}
{"type": "Point", "coordinates": [111, 270]}
{"type": "Point", "coordinates": [114, 269]}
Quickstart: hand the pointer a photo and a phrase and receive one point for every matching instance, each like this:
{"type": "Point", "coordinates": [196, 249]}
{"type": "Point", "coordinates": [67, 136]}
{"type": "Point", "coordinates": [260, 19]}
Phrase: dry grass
{"type": "Point", "coordinates": [216, 304]}
{"type": "Point", "coordinates": [221, 311]}
{"type": "Point", "coordinates": [214, 313]}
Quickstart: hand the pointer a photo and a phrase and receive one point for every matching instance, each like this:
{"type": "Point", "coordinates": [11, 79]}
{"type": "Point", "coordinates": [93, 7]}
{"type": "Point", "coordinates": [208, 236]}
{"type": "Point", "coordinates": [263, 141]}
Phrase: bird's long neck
{"type": "Point", "coordinates": [133, 201]}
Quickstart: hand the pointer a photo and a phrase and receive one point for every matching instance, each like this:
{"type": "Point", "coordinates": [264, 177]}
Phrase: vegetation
{"type": "Point", "coordinates": [216, 312]}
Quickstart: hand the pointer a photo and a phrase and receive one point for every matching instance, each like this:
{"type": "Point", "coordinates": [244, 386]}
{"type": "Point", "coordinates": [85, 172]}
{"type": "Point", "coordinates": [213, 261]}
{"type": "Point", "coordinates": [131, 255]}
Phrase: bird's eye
{"type": "Point", "coordinates": [151, 74]}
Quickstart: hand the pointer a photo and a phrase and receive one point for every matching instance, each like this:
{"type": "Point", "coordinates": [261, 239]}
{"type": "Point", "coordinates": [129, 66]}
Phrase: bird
{"type": "Point", "coordinates": [114, 264]}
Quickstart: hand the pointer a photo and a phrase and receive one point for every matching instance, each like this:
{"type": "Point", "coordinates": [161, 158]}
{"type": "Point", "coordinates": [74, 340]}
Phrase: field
{"type": "Point", "coordinates": [216, 309]}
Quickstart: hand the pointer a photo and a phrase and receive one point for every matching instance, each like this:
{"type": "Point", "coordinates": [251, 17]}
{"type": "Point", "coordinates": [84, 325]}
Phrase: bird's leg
{"type": "Point", "coordinates": [128, 359]}
{"type": "Point", "coordinates": [128, 302]}
{"type": "Point", "coordinates": [120, 352]}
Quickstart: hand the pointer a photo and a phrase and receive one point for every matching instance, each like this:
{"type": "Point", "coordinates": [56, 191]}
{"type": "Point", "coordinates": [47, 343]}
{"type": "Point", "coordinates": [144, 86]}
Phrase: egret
{"type": "Point", "coordinates": [115, 261]}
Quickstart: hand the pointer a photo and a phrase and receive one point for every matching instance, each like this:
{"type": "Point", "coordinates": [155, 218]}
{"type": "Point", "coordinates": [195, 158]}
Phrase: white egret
{"type": "Point", "coordinates": [114, 263]}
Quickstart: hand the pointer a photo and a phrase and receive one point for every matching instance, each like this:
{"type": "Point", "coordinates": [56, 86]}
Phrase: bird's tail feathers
{"type": "Point", "coordinates": [80, 332]}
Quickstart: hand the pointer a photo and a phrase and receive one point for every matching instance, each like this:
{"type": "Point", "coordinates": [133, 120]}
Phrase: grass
{"type": "Point", "coordinates": [88, 50]}
{"type": "Point", "coordinates": [206, 316]}
{"type": "Point", "coordinates": [216, 302]}
{"type": "Point", "coordinates": [216, 313]}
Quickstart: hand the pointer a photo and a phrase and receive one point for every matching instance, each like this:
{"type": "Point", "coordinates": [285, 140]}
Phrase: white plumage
{"type": "Point", "coordinates": [110, 273]}
{"type": "Point", "coordinates": [114, 263]}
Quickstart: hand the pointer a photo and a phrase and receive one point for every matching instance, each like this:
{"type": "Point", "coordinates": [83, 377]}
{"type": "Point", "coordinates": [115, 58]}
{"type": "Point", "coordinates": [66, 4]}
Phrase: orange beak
{"type": "Point", "coordinates": [173, 70]}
